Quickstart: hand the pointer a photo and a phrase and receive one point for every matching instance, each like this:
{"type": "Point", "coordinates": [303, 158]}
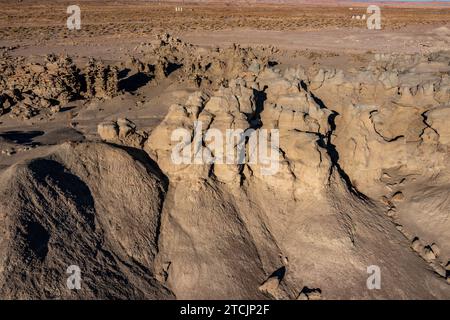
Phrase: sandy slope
{"type": "Point", "coordinates": [363, 155]}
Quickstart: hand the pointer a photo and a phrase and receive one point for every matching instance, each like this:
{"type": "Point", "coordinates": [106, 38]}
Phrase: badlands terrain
{"type": "Point", "coordinates": [87, 177]}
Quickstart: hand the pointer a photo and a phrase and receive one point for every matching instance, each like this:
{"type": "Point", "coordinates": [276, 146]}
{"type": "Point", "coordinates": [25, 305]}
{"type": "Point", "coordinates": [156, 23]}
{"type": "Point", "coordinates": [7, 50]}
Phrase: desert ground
{"type": "Point", "coordinates": [88, 177]}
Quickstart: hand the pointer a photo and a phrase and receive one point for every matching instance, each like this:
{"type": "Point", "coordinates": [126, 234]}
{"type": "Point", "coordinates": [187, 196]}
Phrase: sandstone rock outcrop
{"type": "Point", "coordinates": [27, 88]}
{"type": "Point", "coordinates": [68, 208]}
{"type": "Point", "coordinates": [265, 183]}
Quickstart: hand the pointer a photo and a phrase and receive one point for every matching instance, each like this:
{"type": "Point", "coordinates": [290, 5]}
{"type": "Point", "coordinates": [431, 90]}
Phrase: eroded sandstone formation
{"type": "Point", "coordinates": [29, 88]}
{"type": "Point", "coordinates": [361, 168]}
{"type": "Point", "coordinates": [338, 203]}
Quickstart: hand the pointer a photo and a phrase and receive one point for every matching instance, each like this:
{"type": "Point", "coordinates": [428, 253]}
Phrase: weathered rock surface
{"type": "Point", "coordinates": [355, 174]}
{"type": "Point", "coordinates": [89, 205]}
{"type": "Point", "coordinates": [28, 88]}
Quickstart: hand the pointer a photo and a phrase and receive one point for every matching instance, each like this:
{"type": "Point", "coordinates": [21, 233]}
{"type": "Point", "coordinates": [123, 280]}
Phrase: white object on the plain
{"type": "Point", "coordinates": [74, 20]}
{"type": "Point", "coordinates": [74, 280]}
{"type": "Point", "coordinates": [178, 9]}
{"type": "Point", "coordinates": [374, 21]}
{"type": "Point", "coordinates": [374, 280]}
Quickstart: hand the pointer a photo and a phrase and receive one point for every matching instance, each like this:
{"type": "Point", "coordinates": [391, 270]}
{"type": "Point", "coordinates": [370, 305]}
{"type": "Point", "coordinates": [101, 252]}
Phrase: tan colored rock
{"type": "Point", "coordinates": [99, 216]}
{"type": "Point", "coordinates": [398, 196]}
